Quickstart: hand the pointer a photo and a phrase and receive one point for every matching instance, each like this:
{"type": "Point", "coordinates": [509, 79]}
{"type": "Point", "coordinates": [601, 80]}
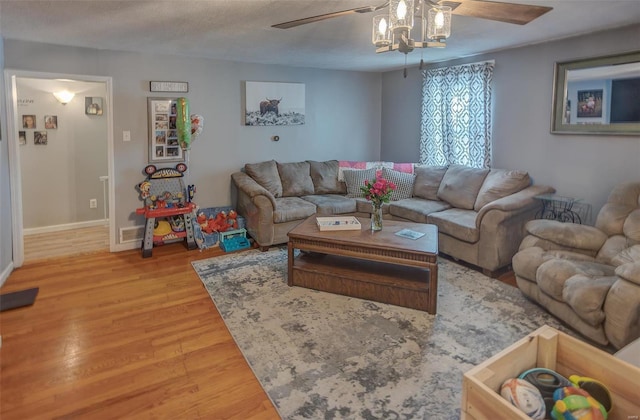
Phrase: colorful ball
{"type": "Point", "coordinates": [524, 396]}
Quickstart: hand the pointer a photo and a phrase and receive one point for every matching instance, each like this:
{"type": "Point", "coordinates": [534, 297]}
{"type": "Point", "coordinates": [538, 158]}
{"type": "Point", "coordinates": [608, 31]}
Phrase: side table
{"type": "Point", "coordinates": [563, 209]}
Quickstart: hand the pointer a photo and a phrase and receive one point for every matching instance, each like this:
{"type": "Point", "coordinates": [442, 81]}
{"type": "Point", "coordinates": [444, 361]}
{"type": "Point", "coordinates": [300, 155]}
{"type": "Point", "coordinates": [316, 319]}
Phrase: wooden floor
{"type": "Point", "coordinates": [66, 243]}
{"type": "Point", "coordinates": [119, 336]}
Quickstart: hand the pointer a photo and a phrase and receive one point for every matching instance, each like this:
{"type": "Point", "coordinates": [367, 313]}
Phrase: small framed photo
{"type": "Point", "coordinates": [40, 137]}
{"type": "Point", "coordinates": [28, 121]}
{"type": "Point", "coordinates": [163, 138]}
{"type": "Point", "coordinates": [22, 138]}
{"type": "Point", "coordinates": [93, 105]}
{"type": "Point", "coordinates": [50, 122]}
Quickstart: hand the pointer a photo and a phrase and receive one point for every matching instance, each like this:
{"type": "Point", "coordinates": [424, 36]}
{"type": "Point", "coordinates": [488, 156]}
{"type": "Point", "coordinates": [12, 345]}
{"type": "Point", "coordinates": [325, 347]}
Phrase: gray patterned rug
{"type": "Point", "coordinates": [325, 356]}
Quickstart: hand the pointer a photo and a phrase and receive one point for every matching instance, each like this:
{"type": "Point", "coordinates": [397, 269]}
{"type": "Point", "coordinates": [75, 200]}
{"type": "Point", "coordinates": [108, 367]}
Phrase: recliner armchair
{"type": "Point", "coordinates": [589, 277]}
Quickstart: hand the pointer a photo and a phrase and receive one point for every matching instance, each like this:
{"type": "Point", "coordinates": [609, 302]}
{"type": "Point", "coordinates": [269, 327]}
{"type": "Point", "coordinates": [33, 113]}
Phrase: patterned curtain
{"type": "Point", "coordinates": [456, 116]}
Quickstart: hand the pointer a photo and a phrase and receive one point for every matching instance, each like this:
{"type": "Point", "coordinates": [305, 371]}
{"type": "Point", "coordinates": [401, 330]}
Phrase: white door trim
{"type": "Point", "coordinates": [10, 76]}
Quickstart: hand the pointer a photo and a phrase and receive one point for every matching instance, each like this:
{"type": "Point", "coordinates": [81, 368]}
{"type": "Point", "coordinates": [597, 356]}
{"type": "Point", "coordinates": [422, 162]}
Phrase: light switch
{"type": "Point", "coordinates": [126, 135]}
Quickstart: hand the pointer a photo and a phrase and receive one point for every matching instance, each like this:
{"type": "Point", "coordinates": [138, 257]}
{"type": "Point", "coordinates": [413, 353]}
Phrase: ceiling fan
{"type": "Point", "coordinates": [516, 13]}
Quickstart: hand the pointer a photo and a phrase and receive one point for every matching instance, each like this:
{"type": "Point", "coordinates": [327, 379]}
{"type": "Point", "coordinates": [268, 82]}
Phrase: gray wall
{"type": "Point", "coordinates": [65, 172]}
{"type": "Point", "coordinates": [582, 166]}
{"type": "Point", "coordinates": [342, 110]}
{"type": "Point", "coordinates": [6, 253]}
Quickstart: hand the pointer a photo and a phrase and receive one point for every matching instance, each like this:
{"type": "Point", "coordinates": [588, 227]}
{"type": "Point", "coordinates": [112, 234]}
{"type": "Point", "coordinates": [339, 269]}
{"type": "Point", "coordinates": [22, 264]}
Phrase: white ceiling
{"type": "Point", "coordinates": [240, 30]}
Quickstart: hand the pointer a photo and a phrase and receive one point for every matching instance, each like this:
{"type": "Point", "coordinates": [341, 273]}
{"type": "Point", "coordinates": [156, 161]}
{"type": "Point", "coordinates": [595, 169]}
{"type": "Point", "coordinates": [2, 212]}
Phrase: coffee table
{"type": "Point", "coordinates": [379, 266]}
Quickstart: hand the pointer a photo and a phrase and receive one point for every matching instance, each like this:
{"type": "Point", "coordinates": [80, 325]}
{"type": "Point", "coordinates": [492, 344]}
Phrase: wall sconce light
{"type": "Point", "coordinates": [64, 96]}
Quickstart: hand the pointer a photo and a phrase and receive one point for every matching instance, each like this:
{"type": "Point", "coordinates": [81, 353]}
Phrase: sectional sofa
{"type": "Point", "coordinates": [480, 213]}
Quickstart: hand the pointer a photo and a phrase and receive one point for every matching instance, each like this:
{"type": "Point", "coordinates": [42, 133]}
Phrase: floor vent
{"type": "Point", "coordinates": [131, 234]}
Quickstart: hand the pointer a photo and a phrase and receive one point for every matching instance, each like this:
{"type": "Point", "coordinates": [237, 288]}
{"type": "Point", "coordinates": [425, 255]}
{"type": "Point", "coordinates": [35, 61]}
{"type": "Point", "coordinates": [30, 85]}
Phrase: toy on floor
{"type": "Point", "coordinates": [234, 240]}
{"type": "Point", "coordinates": [165, 196]}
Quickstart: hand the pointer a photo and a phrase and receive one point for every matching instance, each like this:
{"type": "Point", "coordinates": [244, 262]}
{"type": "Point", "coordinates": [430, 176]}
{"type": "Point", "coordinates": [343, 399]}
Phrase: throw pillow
{"type": "Point", "coordinates": [501, 183]}
{"type": "Point", "coordinates": [325, 177]}
{"type": "Point", "coordinates": [355, 179]}
{"type": "Point", "coordinates": [266, 174]}
{"type": "Point", "coordinates": [295, 178]}
{"type": "Point", "coordinates": [460, 185]}
{"type": "Point", "coordinates": [404, 183]}
{"type": "Point", "coordinates": [427, 181]}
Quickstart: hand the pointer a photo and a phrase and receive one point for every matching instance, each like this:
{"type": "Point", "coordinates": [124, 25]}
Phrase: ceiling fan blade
{"type": "Point", "coordinates": [520, 14]}
{"type": "Point", "coordinates": [318, 18]}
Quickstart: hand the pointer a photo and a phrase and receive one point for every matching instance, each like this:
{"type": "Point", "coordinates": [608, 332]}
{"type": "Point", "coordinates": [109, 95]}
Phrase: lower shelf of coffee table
{"type": "Point", "coordinates": [381, 282]}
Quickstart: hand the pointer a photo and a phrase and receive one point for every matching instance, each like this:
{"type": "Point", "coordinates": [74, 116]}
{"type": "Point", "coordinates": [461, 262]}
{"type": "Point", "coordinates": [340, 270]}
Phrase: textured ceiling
{"type": "Point", "coordinates": [240, 30]}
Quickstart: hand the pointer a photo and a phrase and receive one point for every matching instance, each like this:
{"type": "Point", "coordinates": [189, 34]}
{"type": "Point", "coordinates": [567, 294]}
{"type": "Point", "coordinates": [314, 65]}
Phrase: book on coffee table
{"type": "Point", "coordinates": [338, 223]}
{"type": "Point", "coordinates": [408, 233]}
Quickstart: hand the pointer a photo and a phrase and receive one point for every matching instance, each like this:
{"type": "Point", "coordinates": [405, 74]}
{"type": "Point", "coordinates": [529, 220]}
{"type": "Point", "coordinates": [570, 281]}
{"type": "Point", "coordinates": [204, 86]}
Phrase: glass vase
{"type": "Point", "coordinates": [376, 218]}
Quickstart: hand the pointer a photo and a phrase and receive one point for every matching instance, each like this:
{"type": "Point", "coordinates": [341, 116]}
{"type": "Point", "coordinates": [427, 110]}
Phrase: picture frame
{"type": "Point", "coordinates": [51, 122]}
{"type": "Point", "coordinates": [274, 103]}
{"type": "Point", "coordinates": [614, 79]}
{"type": "Point", "coordinates": [22, 138]}
{"type": "Point", "coordinates": [40, 138]}
{"type": "Point", "coordinates": [163, 137]}
{"type": "Point", "coordinates": [93, 105]}
{"type": "Point", "coordinates": [29, 121]}
{"type": "Point", "coordinates": [158, 86]}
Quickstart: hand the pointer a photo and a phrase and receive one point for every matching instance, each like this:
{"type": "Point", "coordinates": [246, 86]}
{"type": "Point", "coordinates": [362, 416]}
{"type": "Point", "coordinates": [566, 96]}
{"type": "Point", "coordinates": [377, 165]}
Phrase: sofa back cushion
{"type": "Point", "coordinates": [354, 178]}
{"type": "Point", "coordinates": [427, 181]}
{"type": "Point", "coordinates": [266, 174]}
{"type": "Point", "coordinates": [403, 181]}
{"type": "Point", "coordinates": [460, 185]}
{"type": "Point", "coordinates": [501, 183]}
{"type": "Point", "coordinates": [623, 199]}
{"type": "Point", "coordinates": [295, 178]}
{"type": "Point", "coordinates": [325, 177]}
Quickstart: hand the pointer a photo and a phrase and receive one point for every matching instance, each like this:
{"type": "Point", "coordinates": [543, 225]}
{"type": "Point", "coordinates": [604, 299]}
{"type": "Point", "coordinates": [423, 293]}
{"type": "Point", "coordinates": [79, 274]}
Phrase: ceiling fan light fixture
{"type": "Point", "coordinates": [436, 22]}
{"type": "Point", "coordinates": [381, 35]}
{"type": "Point", "coordinates": [401, 15]}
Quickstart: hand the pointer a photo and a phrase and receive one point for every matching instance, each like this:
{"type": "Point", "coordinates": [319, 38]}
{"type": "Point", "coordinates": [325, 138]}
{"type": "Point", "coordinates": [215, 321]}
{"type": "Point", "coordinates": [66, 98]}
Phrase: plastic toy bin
{"type": "Point", "coordinates": [207, 240]}
{"type": "Point", "coordinates": [555, 350]}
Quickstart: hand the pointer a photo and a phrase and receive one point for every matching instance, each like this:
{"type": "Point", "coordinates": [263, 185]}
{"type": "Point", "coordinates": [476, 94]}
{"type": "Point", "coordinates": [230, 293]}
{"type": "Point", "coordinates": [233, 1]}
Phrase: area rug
{"type": "Point", "coordinates": [325, 356]}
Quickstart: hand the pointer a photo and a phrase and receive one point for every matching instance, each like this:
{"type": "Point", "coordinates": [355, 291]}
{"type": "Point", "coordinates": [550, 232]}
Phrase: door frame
{"type": "Point", "coordinates": [10, 76]}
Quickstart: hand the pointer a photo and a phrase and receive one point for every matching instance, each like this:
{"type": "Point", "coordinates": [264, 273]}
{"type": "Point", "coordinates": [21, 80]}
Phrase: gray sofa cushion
{"type": "Point", "coordinates": [404, 183]}
{"type": "Point", "coordinates": [325, 177]}
{"type": "Point", "coordinates": [427, 181]}
{"type": "Point", "coordinates": [459, 223]}
{"type": "Point", "coordinates": [460, 186]}
{"type": "Point", "coordinates": [355, 178]}
{"type": "Point", "coordinates": [266, 174]}
{"type": "Point", "coordinates": [416, 209]}
{"type": "Point", "coordinates": [295, 178]}
{"type": "Point", "coordinates": [292, 208]}
{"type": "Point", "coordinates": [331, 203]}
{"type": "Point", "coordinates": [501, 183]}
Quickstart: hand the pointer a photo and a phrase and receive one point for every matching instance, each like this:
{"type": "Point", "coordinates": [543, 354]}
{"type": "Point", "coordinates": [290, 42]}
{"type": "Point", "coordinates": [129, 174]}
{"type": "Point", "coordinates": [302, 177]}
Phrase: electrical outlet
{"type": "Point", "coordinates": [93, 203]}
{"type": "Point", "coordinates": [126, 135]}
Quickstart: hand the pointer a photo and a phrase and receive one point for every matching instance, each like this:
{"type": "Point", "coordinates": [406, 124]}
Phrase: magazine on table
{"type": "Point", "coordinates": [410, 234]}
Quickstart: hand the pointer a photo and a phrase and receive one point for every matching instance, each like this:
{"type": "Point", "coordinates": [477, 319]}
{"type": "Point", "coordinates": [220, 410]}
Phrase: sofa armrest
{"type": "Point", "coordinates": [521, 200]}
{"type": "Point", "coordinates": [251, 188]}
{"type": "Point", "coordinates": [569, 236]}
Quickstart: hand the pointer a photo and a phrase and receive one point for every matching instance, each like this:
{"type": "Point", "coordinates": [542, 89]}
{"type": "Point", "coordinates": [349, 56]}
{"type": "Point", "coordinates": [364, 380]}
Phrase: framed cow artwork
{"type": "Point", "coordinates": [274, 103]}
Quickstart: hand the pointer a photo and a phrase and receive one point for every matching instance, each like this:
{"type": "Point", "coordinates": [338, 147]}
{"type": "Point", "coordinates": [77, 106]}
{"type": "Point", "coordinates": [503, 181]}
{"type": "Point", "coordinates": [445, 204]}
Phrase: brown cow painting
{"type": "Point", "coordinates": [274, 103]}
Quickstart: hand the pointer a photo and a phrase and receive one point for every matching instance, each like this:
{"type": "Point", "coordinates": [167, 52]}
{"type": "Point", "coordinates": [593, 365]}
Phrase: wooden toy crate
{"type": "Point", "coordinates": [551, 349]}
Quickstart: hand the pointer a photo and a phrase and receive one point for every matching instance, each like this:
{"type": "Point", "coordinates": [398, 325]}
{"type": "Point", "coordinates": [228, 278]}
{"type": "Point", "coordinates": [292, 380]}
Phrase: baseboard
{"type": "Point", "coordinates": [67, 226]}
{"type": "Point", "coordinates": [5, 273]}
{"type": "Point", "coordinates": [128, 246]}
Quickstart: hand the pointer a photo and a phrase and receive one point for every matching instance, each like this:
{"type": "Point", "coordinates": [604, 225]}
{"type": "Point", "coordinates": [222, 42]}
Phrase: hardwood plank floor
{"type": "Point", "coordinates": [66, 243]}
{"type": "Point", "coordinates": [119, 336]}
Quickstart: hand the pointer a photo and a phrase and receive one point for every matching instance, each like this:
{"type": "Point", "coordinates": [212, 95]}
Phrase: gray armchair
{"type": "Point", "coordinates": [589, 277]}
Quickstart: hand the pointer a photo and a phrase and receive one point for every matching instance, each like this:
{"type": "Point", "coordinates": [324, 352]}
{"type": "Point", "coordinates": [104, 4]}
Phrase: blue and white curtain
{"type": "Point", "coordinates": [456, 116]}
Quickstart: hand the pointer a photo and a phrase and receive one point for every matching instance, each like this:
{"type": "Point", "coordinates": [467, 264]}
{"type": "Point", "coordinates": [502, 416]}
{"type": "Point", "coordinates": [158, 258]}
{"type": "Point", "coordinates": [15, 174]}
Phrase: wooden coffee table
{"type": "Point", "coordinates": [379, 266]}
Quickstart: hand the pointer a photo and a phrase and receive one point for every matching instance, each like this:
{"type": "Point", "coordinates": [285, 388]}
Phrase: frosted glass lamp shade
{"type": "Point", "coordinates": [381, 35]}
{"type": "Point", "coordinates": [401, 15]}
{"type": "Point", "coordinates": [64, 97]}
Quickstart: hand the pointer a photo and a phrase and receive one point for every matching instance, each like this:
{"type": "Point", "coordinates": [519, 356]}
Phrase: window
{"type": "Point", "coordinates": [456, 116]}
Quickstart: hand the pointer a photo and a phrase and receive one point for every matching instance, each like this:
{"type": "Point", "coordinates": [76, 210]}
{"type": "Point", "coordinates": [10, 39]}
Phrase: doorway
{"type": "Point", "coordinates": [62, 169]}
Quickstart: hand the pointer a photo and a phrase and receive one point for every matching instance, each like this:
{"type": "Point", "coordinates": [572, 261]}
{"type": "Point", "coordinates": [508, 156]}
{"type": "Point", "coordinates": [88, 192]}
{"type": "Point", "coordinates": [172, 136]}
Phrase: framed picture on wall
{"type": "Point", "coordinates": [22, 138]}
{"type": "Point", "coordinates": [92, 105]}
{"type": "Point", "coordinates": [163, 138]}
{"type": "Point", "coordinates": [50, 122]}
{"type": "Point", "coordinates": [274, 103]}
{"type": "Point", "coordinates": [590, 103]}
{"type": "Point", "coordinates": [28, 121]}
{"type": "Point", "coordinates": [40, 138]}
